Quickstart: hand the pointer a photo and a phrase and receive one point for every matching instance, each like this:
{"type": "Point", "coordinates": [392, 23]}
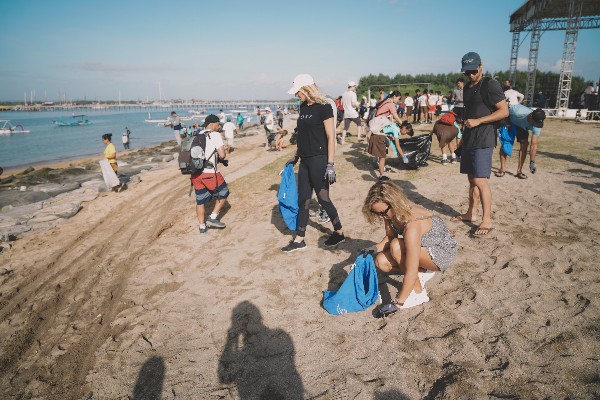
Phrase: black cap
{"type": "Point", "coordinates": [537, 118]}
{"type": "Point", "coordinates": [212, 118]}
{"type": "Point", "coordinates": [470, 61]}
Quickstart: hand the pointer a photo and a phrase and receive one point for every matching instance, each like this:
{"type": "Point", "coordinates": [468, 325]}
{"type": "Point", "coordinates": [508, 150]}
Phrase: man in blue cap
{"type": "Point", "coordinates": [484, 104]}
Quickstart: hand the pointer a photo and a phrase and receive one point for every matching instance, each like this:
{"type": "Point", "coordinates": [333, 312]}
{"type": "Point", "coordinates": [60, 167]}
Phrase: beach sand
{"type": "Point", "coordinates": [127, 300]}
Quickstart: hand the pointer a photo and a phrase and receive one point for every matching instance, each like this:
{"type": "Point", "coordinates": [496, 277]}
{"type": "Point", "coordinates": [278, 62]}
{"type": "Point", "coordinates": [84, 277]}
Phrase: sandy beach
{"type": "Point", "coordinates": [126, 300]}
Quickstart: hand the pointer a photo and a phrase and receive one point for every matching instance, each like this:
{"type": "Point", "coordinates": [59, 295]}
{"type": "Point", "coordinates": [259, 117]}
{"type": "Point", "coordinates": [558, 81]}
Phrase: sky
{"type": "Point", "coordinates": [241, 49]}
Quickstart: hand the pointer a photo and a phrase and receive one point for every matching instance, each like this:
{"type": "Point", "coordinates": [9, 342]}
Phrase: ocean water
{"type": "Point", "coordinates": [47, 143]}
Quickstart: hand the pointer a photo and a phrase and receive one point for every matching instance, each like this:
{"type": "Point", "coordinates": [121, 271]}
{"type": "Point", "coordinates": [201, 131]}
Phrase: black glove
{"type": "Point", "coordinates": [224, 162]}
{"type": "Point", "coordinates": [292, 161]}
{"type": "Point", "coordinates": [330, 174]}
{"type": "Point", "coordinates": [369, 250]}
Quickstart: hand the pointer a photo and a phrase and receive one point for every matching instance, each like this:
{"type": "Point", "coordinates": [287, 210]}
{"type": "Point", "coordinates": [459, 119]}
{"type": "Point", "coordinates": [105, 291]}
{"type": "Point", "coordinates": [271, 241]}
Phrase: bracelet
{"type": "Point", "coordinates": [330, 163]}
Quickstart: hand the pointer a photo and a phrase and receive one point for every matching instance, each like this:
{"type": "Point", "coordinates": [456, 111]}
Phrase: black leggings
{"type": "Point", "coordinates": [311, 174]}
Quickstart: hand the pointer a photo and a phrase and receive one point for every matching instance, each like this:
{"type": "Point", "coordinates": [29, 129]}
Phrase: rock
{"type": "Point", "coordinates": [42, 219]}
{"type": "Point", "coordinates": [64, 210]}
{"type": "Point", "coordinates": [17, 198]}
{"type": "Point", "coordinates": [13, 232]}
{"type": "Point", "coordinates": [167, 158]}
{"type": "Point", "coordinates": [134, 180]}
{"type": "Point", "coordinates": [54, 189]}
{"type": "Point", "coordinates": [20, 213]}
{"type": "Point", "coordinates": [28, 170]}
{"type": "Point", "coordinates": [96, 185]}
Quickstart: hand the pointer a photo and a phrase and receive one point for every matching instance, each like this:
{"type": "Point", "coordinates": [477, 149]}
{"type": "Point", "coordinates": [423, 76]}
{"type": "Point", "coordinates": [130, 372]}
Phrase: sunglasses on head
{"type": "Point", "coordinates": [382, 213]}
{"type": "Point", "coordinates": [471, 72]}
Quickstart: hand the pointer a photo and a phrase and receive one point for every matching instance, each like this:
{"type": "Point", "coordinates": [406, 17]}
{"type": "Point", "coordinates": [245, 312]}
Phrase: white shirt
{"type": "Point", "coordinates": [433, 98]}
{"type": "Point", "coordinates": [125, 138]}
{"type": "Point", "coordinates": [423, 101]}
{"type": "Point", "coordinates": [372, 103]}
{"type": "Point", "coordinates": [222, 117]}
{"type": "Point", "coordinates": [409, 102]}
{"type": "Point", "coordinates": [213, 142]}
{"type": "Point", "coordinates": [349, 102]}
{"type": "Point", "coordinates": [269, 121]}
{"type": "Point", "coordinates": [228, 129]}
{"type": "Point", "coordinates": [513, 97]}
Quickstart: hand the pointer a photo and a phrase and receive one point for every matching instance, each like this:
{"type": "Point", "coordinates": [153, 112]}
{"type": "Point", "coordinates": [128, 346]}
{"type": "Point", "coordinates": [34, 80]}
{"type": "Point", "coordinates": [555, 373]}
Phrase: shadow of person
{"type": "Point", "coordinates": [278, 222]}
{"type": "Point", "coordinates": [392, 394]}
{"type": "Point", "coordinates": [259, 360]}
{"type": "Point", "coordinates": [149, 382]}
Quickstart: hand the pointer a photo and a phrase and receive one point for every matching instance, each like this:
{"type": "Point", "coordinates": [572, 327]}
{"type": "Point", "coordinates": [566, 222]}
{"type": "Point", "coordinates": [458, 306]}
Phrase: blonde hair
{"type": "Point", "coordinates": [313, 94]}
{"type": "Point", "coordinates": [390, 194]}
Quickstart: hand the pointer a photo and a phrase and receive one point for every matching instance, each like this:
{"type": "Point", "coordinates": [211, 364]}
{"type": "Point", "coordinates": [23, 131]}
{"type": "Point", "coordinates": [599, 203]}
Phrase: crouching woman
{"type": "Point", "coordinates": [416, 243]}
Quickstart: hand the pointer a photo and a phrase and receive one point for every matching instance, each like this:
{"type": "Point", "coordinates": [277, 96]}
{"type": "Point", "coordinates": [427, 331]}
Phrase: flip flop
{"type": "Point", "coordinates": [500, 174]}
{"type": "Point", "coordinates": [385, 310]}
{"type": "Point", "coordinates": [521, 175]}
{"type": "Point", "coordinates": [486, 231]}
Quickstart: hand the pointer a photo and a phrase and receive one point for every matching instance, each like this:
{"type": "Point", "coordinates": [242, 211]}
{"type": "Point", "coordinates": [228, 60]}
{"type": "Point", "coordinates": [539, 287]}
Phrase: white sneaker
{"type": "Point", "coordinates": [424, 277]}
{"type": "Point", "coordinates": [415, 299]}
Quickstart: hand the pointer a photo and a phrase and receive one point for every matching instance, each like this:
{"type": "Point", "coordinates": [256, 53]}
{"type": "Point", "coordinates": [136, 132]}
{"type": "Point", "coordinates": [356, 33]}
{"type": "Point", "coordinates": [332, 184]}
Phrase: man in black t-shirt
{"type": "Point", "coordinates": [479, 139]}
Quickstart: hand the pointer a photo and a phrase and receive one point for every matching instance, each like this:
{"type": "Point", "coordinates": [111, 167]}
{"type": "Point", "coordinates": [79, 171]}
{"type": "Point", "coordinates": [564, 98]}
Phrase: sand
{"type": "Point", "coordinates": [127, 300]}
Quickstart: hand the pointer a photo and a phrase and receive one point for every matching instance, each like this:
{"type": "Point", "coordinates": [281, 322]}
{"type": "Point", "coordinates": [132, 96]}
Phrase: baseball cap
{"type": "Point", "coordinates": [267, 109]}
{"type": "Point", "coordinates": [299, 81]}
{"type": "Point", "coordinates": [470, 61]}
{"type": "Point", "coordinates": [212, 118]}
{"type": "Point", "coordinates": [351, 83]}
{"type": "Point", "coordinates": [537, 118]}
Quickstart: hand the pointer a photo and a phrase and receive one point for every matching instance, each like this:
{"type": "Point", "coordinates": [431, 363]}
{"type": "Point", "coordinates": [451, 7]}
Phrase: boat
{"type": "Point", "coordinates": [156, 121]}
{"type": "Point", "coordinates": [6, 128]}
{"type": "Point", "coordinates": [78, 120]}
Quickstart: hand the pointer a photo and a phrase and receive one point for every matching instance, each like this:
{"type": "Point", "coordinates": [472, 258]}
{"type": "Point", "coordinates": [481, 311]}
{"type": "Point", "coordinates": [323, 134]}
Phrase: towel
{"type": "Point", "coordinates": [288, 197]}
{"type": "Point", "coordinates": [110, 178]}
{"type": "Point", "coordinates": [507, 139]}
{"type": "Point", "coordinates": [358, 292]}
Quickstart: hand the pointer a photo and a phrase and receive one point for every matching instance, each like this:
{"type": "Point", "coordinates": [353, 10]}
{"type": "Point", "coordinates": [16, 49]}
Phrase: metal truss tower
{"type": "Point", "coordinates": [538, 16]}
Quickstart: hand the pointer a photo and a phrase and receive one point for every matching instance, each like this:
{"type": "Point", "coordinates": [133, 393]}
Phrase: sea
{"type": "Point", "coordinates": [47, 143]}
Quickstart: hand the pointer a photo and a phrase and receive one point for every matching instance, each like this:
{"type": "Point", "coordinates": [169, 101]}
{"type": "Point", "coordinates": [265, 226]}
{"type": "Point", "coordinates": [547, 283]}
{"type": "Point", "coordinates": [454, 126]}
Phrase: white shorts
{"type": "Point", "coordinates": [228, 141]}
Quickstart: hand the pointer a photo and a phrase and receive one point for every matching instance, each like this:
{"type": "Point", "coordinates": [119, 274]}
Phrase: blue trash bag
{"type": "Point", "coordinates": [288, 197]}
{"type": "Point", "coordinates": [359, 291]}
{"type": "Point", "coordinates": [507, 138]}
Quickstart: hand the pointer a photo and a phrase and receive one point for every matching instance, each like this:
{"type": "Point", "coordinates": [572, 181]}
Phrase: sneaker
{"type": "Point", "coordinates": [444, 161]}
{"type": "Point", "coordinates": [293, 246]}
{"type": "Point", "coordinates": [532, 167]}
{"type": "Point", "coordinates": [202, 229]}
{"type": "Point", "coordinates": [424, 277]}
{"type": "Point", "coordinates": [323, 218]}
{"type": "Point", "coordinates": [315, 214]}
{"type": "Point", "coordinates": [415, 299]}
{"type": "Point", "coordinates": [215, 223]}
{"type": "Point", "coordinates": [453, 160]}
{"type": "Point", "coordinates": [384, 178]}
{"type": "Point", "coordinates": [335, 239]}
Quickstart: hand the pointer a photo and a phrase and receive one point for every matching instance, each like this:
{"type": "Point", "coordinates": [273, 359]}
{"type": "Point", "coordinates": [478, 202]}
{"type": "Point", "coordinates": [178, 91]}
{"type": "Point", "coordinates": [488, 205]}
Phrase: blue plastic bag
{"type": "Point", "coordinates": [507, 139]}
{"type": "Point", "coordinates": [288, 197]}
{"type": "Point", "coordinates": [359, 291]}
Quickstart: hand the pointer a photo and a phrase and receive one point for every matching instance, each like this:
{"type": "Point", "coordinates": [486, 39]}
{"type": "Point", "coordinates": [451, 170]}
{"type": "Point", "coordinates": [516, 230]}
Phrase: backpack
{"type": "Point", "coordinates": [448, 118]}
{"type": "Point", "coordinates": [373, 111]}
{"type": "Point", "coordinates": [485, 96]}
{"type": "Point", "coordinates": [192, 158]}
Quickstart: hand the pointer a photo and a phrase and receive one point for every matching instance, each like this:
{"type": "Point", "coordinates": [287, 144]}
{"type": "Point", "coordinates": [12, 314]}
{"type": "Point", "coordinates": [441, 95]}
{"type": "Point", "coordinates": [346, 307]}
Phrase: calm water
{"type": "Point", "coordinates": [47, 143]}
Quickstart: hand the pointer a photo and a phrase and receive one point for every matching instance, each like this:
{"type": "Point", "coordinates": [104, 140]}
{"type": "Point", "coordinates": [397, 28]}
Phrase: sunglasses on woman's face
{"type": "Point", "coordinates": [382, 213]}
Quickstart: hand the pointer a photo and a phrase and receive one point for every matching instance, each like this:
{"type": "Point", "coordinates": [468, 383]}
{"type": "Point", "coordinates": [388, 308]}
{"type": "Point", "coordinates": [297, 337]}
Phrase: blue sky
{"type": "Point", "coordinates": [252, 50]}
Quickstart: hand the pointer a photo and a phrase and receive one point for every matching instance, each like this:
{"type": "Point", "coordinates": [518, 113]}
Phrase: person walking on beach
{"type": "Point", "coordinates": [210, 183]}
{"type": "Point", "coordinates": [350, 104]}
{"type": "Point", "coordinates": [175, 122]}
{"type": "Point", "coordinates": [240, 121]}
{"type": "Point", "coordinates": [315, 150]}
{"type": "Point", "coordinates": [416, 244]}
{"type": "Point", "coordinates": [279, 117]}
{"type": "Point", "coordinates": [221, 117]}
{"type": "Point", "coordinates": [408, 105]}
{"type": "Point", "coordinates": [479, 139]}
{"type": "Point", "coordinates": [512, 96]}
{"type": "Point", "coordinates": [417, 109]}
{"type": "Point", "coordinates": [125, 138]}
{"type": "Point", "coordinates": [110, 153]}
{"type": "Point", "coordinates": [524, 119]}
{"type": "Point", "coordinates": [269, 125]}
{"type": "Point", "coordinates": [228, 135]}
{"type": "Point", "coordinates": [457, 96]}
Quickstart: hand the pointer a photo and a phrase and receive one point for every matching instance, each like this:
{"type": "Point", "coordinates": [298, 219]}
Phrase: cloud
{"type": "Point", "coordinates": [99, 66]}
{"type": "Point", "coordinates": [522, 62]}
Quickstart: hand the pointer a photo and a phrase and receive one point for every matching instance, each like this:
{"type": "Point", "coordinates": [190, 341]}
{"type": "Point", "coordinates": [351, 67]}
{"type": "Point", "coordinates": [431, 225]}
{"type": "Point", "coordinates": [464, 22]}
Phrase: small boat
{"type": "Point", "coordinates": [156, 121]}
{"type": "Point", "coordinates": [78, 120]}
{"type": "Point", "coordinates": [6, 128]}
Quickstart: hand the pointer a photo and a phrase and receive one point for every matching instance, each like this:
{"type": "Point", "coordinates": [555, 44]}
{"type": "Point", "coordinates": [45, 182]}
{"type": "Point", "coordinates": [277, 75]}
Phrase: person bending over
{"type": "Point", "coordinates": [416, 243]}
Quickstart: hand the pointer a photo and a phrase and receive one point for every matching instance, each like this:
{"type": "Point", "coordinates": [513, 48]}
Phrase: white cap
{"type": "Point", "coordinates": [267, 109]}
{"type": "Point", "coordinates": [351, 83]}
{"type": "Point", "coordinates": [299, 81]}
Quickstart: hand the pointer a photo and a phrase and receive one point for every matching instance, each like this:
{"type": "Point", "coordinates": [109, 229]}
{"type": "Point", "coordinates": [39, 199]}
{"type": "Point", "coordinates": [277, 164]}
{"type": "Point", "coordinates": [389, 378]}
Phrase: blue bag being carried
{"type": "Point", "coordinates": [507, 138]}
{"type": "Point", "coordinates": [288, 197]}
{"type": "Point", "coordinates": [359, 291]}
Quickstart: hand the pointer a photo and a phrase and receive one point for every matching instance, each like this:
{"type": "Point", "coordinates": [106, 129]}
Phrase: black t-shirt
{"type": "Point", "coordinates": [312, 139]}
{"type": "Point", "coordinates": [483, 135]}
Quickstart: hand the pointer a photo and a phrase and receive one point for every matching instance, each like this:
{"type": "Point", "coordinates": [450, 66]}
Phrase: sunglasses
{"type": "Point", "coordinates": [382, 213]}
{"type": "Point", "coordinates": [471, 72]}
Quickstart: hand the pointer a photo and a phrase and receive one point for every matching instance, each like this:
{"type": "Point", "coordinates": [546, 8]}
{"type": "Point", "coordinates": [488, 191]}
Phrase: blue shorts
{"type": "Point", "coordinates": [477, 162]}
{"type": "Point", "coordinates": [203, 196]}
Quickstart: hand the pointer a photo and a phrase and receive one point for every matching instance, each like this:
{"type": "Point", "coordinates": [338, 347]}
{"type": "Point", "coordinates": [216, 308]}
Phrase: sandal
{"type": "Point", "coordinates": [521, 175]}
{"type": "Point", "coordinates": [483, 232]}
{"type": "Point", "coordinates": [385, 310]}
{"type": "Point", "coordinates": [500, 174]}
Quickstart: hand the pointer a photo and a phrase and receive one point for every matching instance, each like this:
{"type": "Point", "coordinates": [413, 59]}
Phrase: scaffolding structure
{"type": "Point", "coordinates": [538, 16]}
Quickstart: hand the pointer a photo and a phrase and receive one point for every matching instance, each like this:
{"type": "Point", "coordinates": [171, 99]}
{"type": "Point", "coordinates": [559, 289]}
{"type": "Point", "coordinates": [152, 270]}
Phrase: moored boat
{"type": "Point", "coordinates": [6, 128]}
{"type": "Point", "coordinates": [78, 120]}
